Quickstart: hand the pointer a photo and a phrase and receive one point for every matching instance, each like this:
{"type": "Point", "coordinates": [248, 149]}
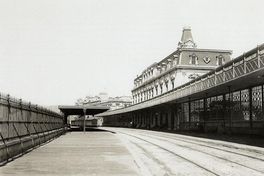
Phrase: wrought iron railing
{"type": "Point", "coordinates": [249, 62]}
{"type": "Point", "coordinates": [20, 118]}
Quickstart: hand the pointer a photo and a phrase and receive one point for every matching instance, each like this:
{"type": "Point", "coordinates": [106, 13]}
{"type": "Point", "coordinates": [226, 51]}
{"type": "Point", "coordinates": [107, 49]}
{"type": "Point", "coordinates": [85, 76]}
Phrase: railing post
{"type": "Point", "coordinates": [4, 141]}
{"type": "Point", "coordinates": [40, 123]}
{"type": "Point", "coordinates": [233, 70]}
{"type": "Point", "coordinates": [245, 64]}
{"type": "Point", "coordinates": [6, 146]}
{"type": "Point", "coordinates": [208, 82]}
{"type": "Point", "coordinates": [189, 111]}
{"type": "Point", "coordinates": [229, 108]}
{"type": "Point", "coordinates": [258, 56]}
{"type": "Point", "coordinates": [262, 94]}
{"type": "Point", "coordinates": [224, 75]}
{"type": "Point", "coordinates": [205, 111]}
{"type": "Point", "coordinates": [180, 92]}
{"type": "Point", "coordinates": [250, 108]}
{"type": "Point", "coordinates": [84, 114]}
{"type": "Point", "coordinates": [32, 123]}
{"type": "Point", "coordinates": [21, 113]}
{"type": "Point", "coordinates": [21, 143]}
{"type": "Point", "coordinates": [215, 78]}
{"type": "Point", "coordinates": [8, 115]}
{"type": "Point", "coordinates": [224, 110]}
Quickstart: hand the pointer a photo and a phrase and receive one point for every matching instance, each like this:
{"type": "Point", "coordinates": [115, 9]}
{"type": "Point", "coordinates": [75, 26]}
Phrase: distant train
{"type": "Point", "coordinates": [91, 122]}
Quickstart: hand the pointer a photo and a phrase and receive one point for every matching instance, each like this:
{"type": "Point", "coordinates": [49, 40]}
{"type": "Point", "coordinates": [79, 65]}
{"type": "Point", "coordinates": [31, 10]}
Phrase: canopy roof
{"type": "Point", "coordinates": [80, 110]}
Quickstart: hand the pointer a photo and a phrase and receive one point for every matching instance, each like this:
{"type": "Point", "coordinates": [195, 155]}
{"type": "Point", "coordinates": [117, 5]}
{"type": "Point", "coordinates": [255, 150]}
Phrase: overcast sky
{"type": "Point", "coordinates": [55, 51]}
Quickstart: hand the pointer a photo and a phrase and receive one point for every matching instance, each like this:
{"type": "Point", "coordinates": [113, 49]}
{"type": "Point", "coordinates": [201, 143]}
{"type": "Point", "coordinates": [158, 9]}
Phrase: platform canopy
{"type": "Point", "coordinates": [82, 110]}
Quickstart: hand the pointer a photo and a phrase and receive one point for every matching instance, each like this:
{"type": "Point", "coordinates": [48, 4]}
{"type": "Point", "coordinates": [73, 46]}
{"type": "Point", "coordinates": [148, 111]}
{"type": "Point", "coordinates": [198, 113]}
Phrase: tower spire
{"type": "Point", "coordinates": [186, 39]}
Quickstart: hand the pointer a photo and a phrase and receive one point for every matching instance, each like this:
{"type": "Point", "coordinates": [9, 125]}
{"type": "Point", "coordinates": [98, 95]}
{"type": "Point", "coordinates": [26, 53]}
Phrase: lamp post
{"type": "Point", "coordinates": [84, 114]}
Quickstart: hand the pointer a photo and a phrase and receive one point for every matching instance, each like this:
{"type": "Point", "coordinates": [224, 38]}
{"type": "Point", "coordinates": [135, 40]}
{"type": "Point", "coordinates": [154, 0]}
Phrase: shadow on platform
{"type": "Point", "coordinates": [89, 129]}
{"type": "Point", "coordinates": [252, 140]}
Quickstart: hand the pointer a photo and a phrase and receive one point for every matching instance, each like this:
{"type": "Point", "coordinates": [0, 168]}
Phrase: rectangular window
{"type": "Point", "coordinates": [257, 103]}
{"type": "Point", "coordinates": [185, 112]}
{"type": "Point", "coordinates": [245, 104]}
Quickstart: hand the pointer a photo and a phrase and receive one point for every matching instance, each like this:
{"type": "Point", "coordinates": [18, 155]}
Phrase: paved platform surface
{"type": "Point", "coordinates": [123, 151]}
{"type": "Point", "coordinates": [76, 153]}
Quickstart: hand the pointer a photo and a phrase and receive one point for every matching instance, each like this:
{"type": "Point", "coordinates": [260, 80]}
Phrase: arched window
{"type": "Point", "coordinates": [193, 59]}
{"type": "Point", "coordinates": [167, 86]}
{"type": "Point", "coordinates": [172, 83]}
{"type": "Point", "coordinates": [220, 60]}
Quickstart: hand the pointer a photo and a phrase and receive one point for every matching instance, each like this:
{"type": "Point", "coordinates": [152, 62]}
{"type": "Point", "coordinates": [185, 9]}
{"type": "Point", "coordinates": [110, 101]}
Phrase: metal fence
{"type": "Point", "coordinates": [24, 125]}
{"type": "Point", "coordinates": [19, 118]}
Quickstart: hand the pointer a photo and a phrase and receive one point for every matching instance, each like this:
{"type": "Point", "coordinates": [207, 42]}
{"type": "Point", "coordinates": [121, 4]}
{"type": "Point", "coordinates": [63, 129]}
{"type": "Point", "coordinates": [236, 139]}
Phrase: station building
{"type": "Point", "coordinates": [104, 100]}
{"type": "Point", "coordinates": [198, 89]}
{"type": "Point", "coordinates": [183, 65]}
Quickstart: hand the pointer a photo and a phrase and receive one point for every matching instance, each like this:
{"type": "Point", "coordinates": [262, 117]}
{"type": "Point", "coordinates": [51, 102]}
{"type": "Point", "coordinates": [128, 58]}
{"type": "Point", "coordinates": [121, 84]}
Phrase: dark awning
{"type": "Point", "coordinates": [79, 110]}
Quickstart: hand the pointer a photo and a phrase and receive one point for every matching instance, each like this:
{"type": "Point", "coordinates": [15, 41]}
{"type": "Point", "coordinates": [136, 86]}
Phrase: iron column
{"type": "Point", "coordinates": [84, 114]}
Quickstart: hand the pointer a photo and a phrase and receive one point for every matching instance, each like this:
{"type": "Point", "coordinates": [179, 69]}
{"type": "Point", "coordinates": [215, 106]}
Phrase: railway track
{"type": "Point", "coordinates": [215, 155]}
{"type": "Point", "coordinates": [213, 158]}
{"type": "Point", "coordinates": [223, 146]}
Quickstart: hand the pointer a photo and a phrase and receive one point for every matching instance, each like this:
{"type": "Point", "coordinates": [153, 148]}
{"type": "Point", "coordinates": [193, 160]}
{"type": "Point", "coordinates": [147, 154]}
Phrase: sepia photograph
{"type": "Point", "coordinates": [131, 88]}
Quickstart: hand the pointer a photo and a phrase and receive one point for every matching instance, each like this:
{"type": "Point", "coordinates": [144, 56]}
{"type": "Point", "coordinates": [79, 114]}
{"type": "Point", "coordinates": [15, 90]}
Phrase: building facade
{"type": "Point", "coordinates": [198, 90]}
{"type": "Point", "coordinates": [183, 65]}
{"type": "Point", "coordinates": [116, 103]}
{"type": "Point", "coordinates": [104, 100]}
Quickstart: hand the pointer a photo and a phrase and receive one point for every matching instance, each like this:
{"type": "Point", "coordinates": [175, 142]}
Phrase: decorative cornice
{"type": "Point", "coordinates": [174, 69]}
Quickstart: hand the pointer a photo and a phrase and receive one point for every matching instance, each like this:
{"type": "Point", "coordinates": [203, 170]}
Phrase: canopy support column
{"type": "Point", "coordinates": [84, 114]}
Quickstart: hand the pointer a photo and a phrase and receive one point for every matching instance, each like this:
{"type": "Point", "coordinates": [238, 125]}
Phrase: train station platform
{"type": "Point", "coordinates": [75, 153]}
